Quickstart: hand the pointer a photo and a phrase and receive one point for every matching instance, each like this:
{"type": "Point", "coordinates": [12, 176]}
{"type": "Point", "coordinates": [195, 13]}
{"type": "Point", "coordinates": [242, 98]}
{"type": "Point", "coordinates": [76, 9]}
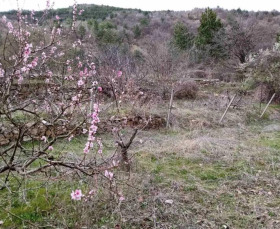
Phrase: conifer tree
{"type": "Point", "coordinates": [181, 37]}
{"type": "Point", "coordinates": [209, 26]}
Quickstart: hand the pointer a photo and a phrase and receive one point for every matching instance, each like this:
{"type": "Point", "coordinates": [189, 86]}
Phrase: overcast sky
{"type": "Point", "coordinates": [256, 5]}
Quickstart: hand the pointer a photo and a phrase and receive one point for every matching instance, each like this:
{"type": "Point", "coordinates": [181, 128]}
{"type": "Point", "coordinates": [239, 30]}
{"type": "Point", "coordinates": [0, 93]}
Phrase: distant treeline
{"type": "Point", "coordinates": [91, 11]}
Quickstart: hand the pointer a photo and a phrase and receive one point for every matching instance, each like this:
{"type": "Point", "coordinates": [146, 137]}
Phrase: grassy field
{"type": "Point", "coordinates": [197, 174]}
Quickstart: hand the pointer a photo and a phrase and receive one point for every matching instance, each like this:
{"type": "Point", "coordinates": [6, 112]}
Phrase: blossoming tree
{"type": "Point", "coordinates": [48, 94]}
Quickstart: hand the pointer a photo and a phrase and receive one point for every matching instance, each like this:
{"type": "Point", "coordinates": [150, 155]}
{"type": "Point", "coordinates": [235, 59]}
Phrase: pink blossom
{"type": "Point", "coordinates": [122, 198]}
{"type": "Point", "coordinates": [95, 107]}
{"type": "Point", "coordinates": [34, 62]}
{"type": "Point", "coordinates": [80, 64]}
{"type": "Point", "coordinates": [10, 27]}
{"type": "Point", "coordinates": [24, 69]}
{"type": "Point", "coordinates": [86, 150]}
{"type": "Point", "coordinates": [57, 17]}
{"type": "Point", "coordinates": [53, 49]}
{"type": "Point", "coordinates": [20, 79]}
{"type": "Point", "coordinates": [99, 89]}
{"type": "Point", "coordinates": [81, 83]}
{"type": "Point", "coordinates": [92, 72]}
{"type": "Point", "coordinates": [77, 194]}
{"type": "Point", "coordinates": [2, 72]}
{"type": "Point", "coordinates": [58, 31]}
{"type": "Point", "coordinates": [70, 138]}
{"type": "Point", "coordinates": [27, 51]}
{"type": "Point", "coordinates": [44, 138]}
{"type": "Point", "coordinates": [92, 66]}
{"type": "Point", "coordinates": [115, 163]}
{"type": "Point", "coordinates": [75, 98]}
{"type": "Point", "coordinates": [91, 192]}
{"type": "Point", "coordinates": [50, 148]}
{"type": "Point", "coordinates": [109, 175]}
{"type": "Point", "coordinates": [50, 73]}
{"type": "Point", "coordinates": [119, 74]}
{"type": "Point", "coordinates": [81, 11]}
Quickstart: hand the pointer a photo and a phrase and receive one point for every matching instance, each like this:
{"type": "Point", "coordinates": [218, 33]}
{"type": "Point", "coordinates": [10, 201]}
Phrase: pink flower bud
{"type": "Point", "coordinates": [119, 74]}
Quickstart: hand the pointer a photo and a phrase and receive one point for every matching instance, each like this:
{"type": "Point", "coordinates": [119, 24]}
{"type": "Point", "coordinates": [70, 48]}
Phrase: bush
{"type": "Point", "coordinates": [137, 31]}
{"type": "Point", "coordinates": [263, 69]}
{"type": "Point", "coordinates": [144, 21]}
{"type": "Point", "coordinates": [186, 90]}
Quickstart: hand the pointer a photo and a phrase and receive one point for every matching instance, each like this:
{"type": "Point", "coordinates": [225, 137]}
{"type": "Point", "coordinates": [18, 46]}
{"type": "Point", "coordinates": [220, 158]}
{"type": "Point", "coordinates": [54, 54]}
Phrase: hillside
{"type": "Point", "coordinates": [126, 119]}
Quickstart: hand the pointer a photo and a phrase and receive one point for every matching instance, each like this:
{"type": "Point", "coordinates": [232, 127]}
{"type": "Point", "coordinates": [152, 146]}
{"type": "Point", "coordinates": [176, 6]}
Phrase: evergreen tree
{"type": "Point", "coordinates": [278, 38]}
{"type": "Point", "coordinates": [209, 26]}
{"type": "Point", "coordinates": [82, 31]}
{"type": "Point", "coordinates": [182, 39]}
{"type": "Point", "coordinates": [137, 31]}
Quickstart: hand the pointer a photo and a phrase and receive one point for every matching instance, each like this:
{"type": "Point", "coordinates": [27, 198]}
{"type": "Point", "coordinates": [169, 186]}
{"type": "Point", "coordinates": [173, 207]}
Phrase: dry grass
{"type": "Point", "coordinates": [198, 174]}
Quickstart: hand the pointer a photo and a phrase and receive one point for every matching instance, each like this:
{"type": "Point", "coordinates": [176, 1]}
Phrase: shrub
{"type": "Point", "coordinates": [144, 21]}
{"type": "Point", "coordinates": [137, 31]}
{"type": "Point", "coordinates": [82, 31]}
{"type": "Point", "coordinates": [263, 69]}
{"type": "Point", "coordinates": [186, 90]}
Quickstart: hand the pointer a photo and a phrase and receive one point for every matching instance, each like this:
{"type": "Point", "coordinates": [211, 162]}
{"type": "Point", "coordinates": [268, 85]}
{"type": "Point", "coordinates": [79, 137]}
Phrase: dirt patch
{"type": "Point", "coordinates": [133, 121]}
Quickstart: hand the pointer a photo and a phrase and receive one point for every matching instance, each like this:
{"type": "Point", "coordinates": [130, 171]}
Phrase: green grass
{"type": "Point", "coordinates": [186, 169]}
{"type": "Point", "coordinates": [213, 182]}
{"type": "Point", "coordinates": [272, 141]}
{"type": "Point", "coordinates": [215, 176]}
{"type": "Point", "coordinates": [36, 202]}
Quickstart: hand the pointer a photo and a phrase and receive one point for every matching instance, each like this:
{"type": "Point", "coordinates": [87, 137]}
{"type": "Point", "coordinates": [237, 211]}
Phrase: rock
{"type": "Point", "coordinates": [27, 138]}
{"type": "Point", "coordinates": [271, 128]}
{"type": "Point", "coordinates": [168, 201]}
